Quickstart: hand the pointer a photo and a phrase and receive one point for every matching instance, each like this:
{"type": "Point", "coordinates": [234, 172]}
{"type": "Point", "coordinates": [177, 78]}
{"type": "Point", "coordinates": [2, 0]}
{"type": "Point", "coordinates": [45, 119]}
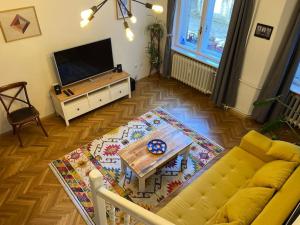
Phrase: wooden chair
{"type": "Point", "coordinates": [22, 116]}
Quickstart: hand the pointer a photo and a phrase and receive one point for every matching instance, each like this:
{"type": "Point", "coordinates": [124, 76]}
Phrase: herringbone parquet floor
{"type": "Point", "coordinates": [30, 193]}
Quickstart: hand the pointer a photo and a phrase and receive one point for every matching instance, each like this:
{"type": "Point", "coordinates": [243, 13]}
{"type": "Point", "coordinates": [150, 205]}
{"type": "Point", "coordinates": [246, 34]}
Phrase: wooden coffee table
{"type": "Point", "coordinates": [143, 163]}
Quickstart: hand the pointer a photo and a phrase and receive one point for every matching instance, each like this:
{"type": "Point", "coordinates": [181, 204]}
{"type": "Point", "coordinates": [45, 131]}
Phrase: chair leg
{"type": "Point", "coordinates": [17, 129]}
{"type": "Point", "coordinates": [14, 130]}
{"type": "Point", "coordinates": [40, 123]}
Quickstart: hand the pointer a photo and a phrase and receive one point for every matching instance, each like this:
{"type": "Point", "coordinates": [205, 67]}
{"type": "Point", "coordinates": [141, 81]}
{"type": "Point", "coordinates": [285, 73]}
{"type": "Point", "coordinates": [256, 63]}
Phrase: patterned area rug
{"type": "Point", "coordinates": [72, 169]}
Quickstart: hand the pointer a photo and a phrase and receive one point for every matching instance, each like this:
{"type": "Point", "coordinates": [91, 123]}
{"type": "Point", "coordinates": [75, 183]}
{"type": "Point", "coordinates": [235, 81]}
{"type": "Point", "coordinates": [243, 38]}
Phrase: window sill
{"type": "Point", "coordinates": [196, 57]}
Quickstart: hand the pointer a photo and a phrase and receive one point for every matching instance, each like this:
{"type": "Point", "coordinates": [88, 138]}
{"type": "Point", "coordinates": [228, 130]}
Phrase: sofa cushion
{"type": "Point", "coordinates": [247, 203]}
{"type": "Point", "coordinates": [257, 144]}
{"type": "Point", "coordinates": [243, 207]}
{"type": "Point", "coordinates": [219, 218]}
{"type": "Point", "coordinates": [285, 151]}
{"type": "Point", "coordinates": [273, 174]}
{"type": "Point", "coordinates": [231, 223]}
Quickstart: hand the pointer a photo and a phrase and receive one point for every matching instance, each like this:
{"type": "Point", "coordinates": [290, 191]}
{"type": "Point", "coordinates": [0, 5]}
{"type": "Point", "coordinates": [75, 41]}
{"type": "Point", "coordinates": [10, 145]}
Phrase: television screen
{"type": "Point", "coordinates": [84, 61]}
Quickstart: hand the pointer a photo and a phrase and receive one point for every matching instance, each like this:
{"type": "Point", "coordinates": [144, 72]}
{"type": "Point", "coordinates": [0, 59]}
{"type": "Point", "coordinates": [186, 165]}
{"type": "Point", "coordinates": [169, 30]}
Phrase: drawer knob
{"type": "Point", "coordinates": [120, 92]}
{"type": "Point", "coordinates": [100, 100]}
{"type": "Point", "coordinates": [78, 109]}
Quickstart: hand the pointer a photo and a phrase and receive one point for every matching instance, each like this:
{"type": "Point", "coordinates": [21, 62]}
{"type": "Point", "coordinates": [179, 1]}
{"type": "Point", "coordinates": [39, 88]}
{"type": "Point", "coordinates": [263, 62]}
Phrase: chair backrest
{"type": "Point", "coordinates": [21, 87]}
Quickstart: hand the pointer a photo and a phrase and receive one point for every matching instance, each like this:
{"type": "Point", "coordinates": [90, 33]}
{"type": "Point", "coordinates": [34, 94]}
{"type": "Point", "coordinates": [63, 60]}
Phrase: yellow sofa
{"type": "Point", "coordinates": [207, 196]}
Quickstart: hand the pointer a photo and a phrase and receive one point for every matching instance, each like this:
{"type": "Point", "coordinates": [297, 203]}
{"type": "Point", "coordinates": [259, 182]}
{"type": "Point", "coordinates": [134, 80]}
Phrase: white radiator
{"type": "Point", "coordinates": [193, 73]}
{"type": "Point", "coordinates": [292, 114]}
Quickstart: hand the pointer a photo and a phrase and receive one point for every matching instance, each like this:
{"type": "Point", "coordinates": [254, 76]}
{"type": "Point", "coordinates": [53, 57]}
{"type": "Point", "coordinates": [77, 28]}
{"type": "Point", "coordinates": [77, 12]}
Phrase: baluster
{"type": "Point", "coordinates": [96, 180]}
{"type": "Point", "coordinates": [112, 215]}
{"type": "Point", "coordinates": [126, 219]}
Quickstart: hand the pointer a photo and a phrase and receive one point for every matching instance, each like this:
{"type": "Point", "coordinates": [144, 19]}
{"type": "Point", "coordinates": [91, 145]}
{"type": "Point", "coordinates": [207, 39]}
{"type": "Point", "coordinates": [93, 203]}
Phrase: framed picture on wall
{"type": "Point", "coordinates": [17, 24]}
{"type": "Point", "coordinates": [263, 31]}
{"type": "Point", "coordinates": [123, 4]}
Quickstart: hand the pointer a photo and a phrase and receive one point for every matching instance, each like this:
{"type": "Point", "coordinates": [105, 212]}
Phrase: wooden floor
{"type": "Point", "coordinates": [30, 193]}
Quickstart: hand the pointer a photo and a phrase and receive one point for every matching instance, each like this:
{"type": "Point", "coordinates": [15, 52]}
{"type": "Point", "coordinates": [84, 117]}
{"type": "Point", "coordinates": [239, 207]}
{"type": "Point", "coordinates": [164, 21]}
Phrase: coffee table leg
{"type": "Point", "coordinates": [123, 167]}
{"type": "Point", "coordinates": [186, 154]}
{"type": "Point", "coordinates": [142, 184]}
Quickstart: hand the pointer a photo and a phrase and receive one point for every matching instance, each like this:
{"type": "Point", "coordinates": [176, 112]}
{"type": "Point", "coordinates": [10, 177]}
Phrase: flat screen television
{"type": "Point", "coordinates": [83, 62]}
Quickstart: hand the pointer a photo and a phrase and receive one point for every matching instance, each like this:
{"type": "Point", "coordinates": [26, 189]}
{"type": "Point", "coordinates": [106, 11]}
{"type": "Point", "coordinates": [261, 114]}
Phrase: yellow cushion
{"type": "Point", "coordinates": [219, 218]}
{"type": "Point", "coordinates": [231, 223]}
{"type": "Point", "coordinates": [285, 151]}
{"type": "Point", "coordinates": [273, 174]}
{"type": "Point", "coordinates": [257, 144]}
{"type": "Point", "coordinates": [247, 203]}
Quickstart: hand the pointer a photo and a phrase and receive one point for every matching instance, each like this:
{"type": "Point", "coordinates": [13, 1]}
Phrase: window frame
{"type": "Point", "coordinates": [200, 52]}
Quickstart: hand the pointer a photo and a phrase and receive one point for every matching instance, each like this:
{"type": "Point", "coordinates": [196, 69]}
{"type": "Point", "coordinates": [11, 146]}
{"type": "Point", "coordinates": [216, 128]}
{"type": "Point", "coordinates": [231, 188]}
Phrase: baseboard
{"type": "Point", "coordinates": [239, 113]}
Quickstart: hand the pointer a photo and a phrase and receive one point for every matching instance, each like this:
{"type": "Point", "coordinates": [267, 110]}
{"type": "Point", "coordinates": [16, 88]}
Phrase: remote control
{"type": "Point", "coordinates": [71, 92]}
{"type": "Point", "coordinates": [67, 93]}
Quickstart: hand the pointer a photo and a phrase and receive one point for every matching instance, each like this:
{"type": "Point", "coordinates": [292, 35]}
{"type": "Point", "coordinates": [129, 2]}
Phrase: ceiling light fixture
{"type": "Point", "coordinates": [155, 8]}
{"type": "Point", "coordinates": [88, 15]}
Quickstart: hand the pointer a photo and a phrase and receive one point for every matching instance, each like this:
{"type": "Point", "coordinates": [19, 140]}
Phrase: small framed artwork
{"type": "Point", "coordinates": [263, 31]}
{"type": "Point", "coordinates": [123, 5]}
{"type": "Point", "coordinates": [19, 23]}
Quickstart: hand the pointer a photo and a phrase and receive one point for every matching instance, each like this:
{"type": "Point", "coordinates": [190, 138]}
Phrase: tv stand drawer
{"type": "Point", "coordinates": [76, 107]}
{"type": "Point", "coordinates": [119, 90]}
{"type": "Point", "coordinates": [99, 98]}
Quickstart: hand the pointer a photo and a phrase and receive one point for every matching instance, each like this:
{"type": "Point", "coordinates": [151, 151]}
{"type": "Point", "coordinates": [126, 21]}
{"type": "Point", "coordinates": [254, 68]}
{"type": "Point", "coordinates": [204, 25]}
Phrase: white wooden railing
{"type": "Point", "coordinates": [101, 195]}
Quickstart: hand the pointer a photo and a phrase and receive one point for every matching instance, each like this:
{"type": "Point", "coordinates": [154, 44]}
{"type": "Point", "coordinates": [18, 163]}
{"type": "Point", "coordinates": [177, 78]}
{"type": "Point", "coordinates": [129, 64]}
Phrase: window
{"type": "Point", "coordinates": [201, 27]}
{"type": "Point", "coordinates": [295, 87]}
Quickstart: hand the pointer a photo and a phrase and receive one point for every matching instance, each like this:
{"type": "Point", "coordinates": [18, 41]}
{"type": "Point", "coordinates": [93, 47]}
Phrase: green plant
{"type": "Point", "coordinates": [277, 123]}
{"type": "Point", "coordinates": [156, 32]}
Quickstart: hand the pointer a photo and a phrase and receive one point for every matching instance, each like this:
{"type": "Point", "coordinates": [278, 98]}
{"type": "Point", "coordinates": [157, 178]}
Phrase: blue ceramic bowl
{"type": "Point", "coordinates": [157, 146]}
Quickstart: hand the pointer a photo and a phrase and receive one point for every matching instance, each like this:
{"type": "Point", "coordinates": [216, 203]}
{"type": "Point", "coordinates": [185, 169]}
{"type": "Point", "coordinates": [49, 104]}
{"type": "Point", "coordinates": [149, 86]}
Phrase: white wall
{"type": "Point", "coordinates": [260, 53]}
{"type": "Point", "coordinates": [30, 60]}
{"type": "Point", "coordinates": [163, 18]}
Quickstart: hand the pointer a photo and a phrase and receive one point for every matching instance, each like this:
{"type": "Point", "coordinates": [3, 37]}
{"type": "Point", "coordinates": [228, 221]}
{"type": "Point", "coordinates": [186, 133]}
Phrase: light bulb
{"type": "Point", "coordinates": [86, 14]}
{"type": "Point", "coordinates": [84, 23]}
{"type": "Point", "coordinates": [129, 34]}
{"type": "Point", "coordinates": [157, 8]}
{"type": "Point", "coordinates": [133, 19]}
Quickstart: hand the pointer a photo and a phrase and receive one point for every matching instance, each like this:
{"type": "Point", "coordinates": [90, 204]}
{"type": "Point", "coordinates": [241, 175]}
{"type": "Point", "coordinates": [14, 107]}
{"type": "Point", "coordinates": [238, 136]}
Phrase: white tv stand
{"type": "Point", "coordinates": [91, 95]}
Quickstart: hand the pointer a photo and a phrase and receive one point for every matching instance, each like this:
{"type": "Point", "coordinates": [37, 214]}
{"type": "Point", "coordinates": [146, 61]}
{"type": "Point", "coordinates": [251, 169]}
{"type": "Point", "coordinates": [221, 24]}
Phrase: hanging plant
{"type": "Point", "coordinates": [156, 32]}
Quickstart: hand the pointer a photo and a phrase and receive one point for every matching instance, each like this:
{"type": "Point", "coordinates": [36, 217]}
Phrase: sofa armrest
{"type": "Point", "coordinates": [257, 144]}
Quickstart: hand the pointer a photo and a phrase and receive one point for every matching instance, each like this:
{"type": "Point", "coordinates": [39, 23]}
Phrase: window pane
{"type": "Point", "coordinates": [296, 82]}
{"type": "Point", "coordinates": [190, 23]}
{"type": "Point", "coordinates": [218, 26]}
